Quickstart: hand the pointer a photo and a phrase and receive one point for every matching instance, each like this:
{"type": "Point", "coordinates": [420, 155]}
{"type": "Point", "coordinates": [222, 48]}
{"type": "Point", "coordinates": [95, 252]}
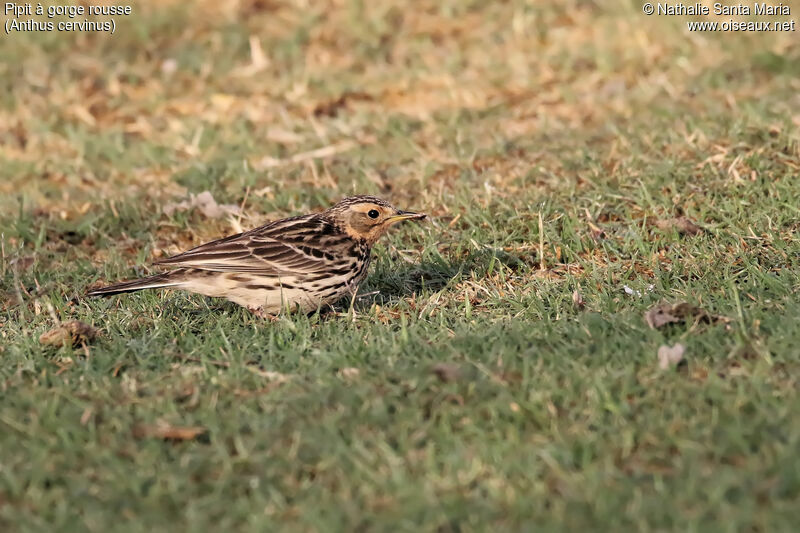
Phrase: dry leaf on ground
{"type": "Point", "coordinates": [22, 263]}
{"type": "Point", "coordinates": [577, 300]}
{"type": "Point", "coordinates": [70, 333]}
{"type": "Point", "coordinates": [205, 203]}
{"type": "Point", "coordinates": [596, 231]}
{"type": "Point", "coordinates": [270, 375]}
{"type": "Point", "coordinates": [670, 356]}
{"type": "Point", "coordinates": [682, 225]}
{"type": "Point", "coordinates": [331, 108]}
{"type": "Point", "coordinates": [633, 292]}
{"type": "Point", "coordinates": [666, 313]}
{"type": "Point", "coordinates": [166, 431]}
{"type": "Point", "coordinates": [446, 372]}
{"type": "Point", "coordinates": [349, 372]}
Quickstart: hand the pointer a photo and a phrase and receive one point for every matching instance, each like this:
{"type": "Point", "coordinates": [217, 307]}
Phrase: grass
{"type": "Point", "coordinates": [470, 392]}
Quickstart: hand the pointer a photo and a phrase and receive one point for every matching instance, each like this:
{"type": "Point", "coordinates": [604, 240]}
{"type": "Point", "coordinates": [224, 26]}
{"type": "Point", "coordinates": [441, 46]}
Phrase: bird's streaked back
{"type": "Point", "coordinates": [300, 262]}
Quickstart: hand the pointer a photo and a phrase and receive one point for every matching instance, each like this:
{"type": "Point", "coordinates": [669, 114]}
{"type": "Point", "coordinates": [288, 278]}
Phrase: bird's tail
{"type": "Point", "coordinates": [166, 279]}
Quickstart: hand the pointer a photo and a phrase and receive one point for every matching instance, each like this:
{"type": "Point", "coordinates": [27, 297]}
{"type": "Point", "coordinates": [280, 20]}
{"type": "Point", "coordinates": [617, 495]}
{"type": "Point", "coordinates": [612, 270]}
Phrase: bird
{"type": "Point", "coordinates": [301, 263]}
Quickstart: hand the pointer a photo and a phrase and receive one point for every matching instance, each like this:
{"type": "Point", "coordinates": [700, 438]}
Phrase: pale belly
{"type": "Point", "coordinates": [270, 296]}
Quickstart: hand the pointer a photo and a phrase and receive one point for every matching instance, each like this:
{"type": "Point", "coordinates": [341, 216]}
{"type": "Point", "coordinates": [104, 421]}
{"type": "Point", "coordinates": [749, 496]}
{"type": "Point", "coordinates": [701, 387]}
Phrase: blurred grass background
{"type": "Point", "coordinates": [545, 141]}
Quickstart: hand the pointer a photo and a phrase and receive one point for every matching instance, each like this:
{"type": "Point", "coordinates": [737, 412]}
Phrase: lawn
{"type": "Point", "coordinates": [580, 162]}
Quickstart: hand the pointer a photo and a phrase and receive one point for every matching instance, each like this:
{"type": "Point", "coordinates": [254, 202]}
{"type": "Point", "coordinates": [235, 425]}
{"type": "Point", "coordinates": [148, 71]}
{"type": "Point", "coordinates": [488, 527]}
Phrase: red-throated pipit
{"type": "Point", "coordinates": [301, 262]}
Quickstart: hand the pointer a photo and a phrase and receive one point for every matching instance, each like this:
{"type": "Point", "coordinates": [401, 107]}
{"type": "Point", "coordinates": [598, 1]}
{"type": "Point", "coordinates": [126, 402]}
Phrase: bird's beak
{"type": "Point", "coordinates": [405, 215]}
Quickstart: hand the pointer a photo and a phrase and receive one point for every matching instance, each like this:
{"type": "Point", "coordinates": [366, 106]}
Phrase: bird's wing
{"type": "Point", "coordinates": [282, 248]}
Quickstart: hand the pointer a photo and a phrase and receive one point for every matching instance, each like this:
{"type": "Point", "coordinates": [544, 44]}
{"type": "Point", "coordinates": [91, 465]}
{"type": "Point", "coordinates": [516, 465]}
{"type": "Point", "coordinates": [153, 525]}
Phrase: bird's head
{"type": "Point", "coordinates": [367, 217]}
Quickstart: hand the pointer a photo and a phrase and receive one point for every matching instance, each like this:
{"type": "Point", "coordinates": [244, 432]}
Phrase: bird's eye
{"type": "Point", "coordinates": [373, 213]}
